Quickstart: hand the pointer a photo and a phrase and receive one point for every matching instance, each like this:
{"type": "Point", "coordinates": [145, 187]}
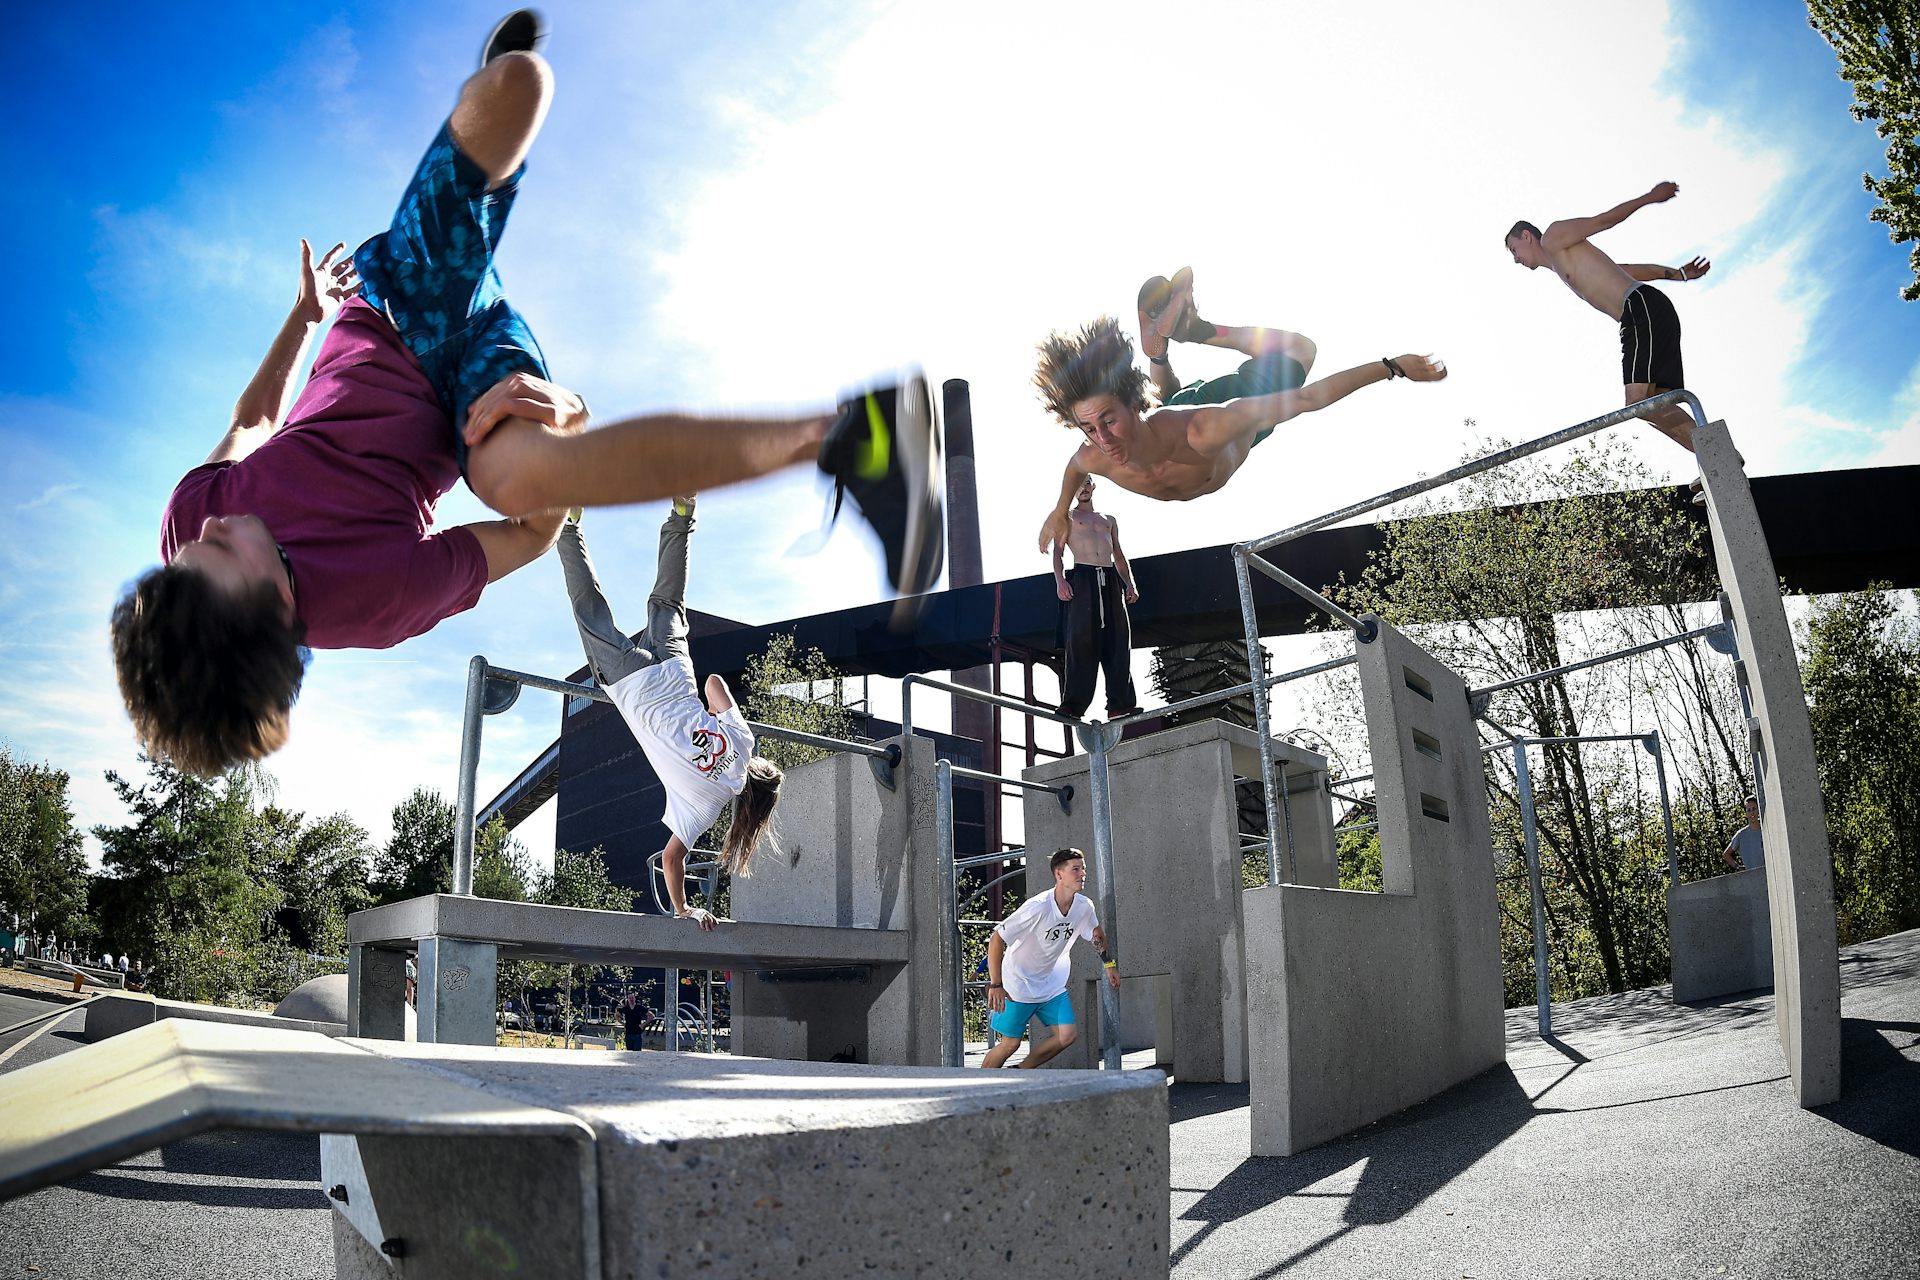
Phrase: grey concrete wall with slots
{"type": "Point", "coordinates": [852, 855]}
{"type": "Point", "coordinates": [1361, 1004]}
{"type": "Point", "coordinates": [1799, 867]}
{"type": "Point", "coordinates": [706, 1165]}
{"type": "Point", "coordinates": [1722, 937]}
{"type": "Point", "coordinates": [1178, 885]}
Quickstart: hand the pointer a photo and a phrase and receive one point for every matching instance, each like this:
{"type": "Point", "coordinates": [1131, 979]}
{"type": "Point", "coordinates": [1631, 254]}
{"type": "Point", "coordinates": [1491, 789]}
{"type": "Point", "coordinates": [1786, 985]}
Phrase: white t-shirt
{"type": "Point", "coordinates": [1034, 968]}
{"type": "Point", "coordinates": [1750, 849]}
{"type": "Point", "coordinates": [701, 760]}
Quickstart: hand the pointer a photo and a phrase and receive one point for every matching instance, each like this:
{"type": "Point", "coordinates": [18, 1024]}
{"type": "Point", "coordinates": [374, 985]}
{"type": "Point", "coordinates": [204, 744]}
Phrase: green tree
{"type": "Point", "coordinates": [1535, 569]}
{"type": "Point", "coordinates": [43, 866]}
{"type": "Point", "coordinates": [1863, 677]}
{"type": "Point", "coordinates": [1878, 44]}
{"type": "Point", "coordinates": [418, 857]}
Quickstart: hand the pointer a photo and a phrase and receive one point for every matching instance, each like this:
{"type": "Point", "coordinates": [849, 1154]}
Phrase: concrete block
{"type": "Point", "coordinates": [711, 1165]}
{"type": "Point", "coordinates": [857, 860]}
{"type": "Point", "coordinates": [1721, 936]}
{"type": "Point", "coordinates": [1362, 1004]}
{"type": "Point", "coordinates": [1178, 879]}
{"type": "Point", "coordinates": [110, 1015]}
{"type": "Point", "coordinates": [1799, 867]}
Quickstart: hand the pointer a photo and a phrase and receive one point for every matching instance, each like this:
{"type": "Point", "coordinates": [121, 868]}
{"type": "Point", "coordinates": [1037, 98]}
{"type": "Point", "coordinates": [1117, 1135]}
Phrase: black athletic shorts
{"type": "Point", "coordinates": [1650, 340]}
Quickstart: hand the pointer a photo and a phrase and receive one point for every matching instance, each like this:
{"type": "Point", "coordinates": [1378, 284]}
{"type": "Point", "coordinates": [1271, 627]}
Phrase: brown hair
{"type": "Point", "coordinates": [1063, 856]}
{"type": "Point", "coordinates": [1518, 227]}
{"type": "Point", "coordinates": [752, 815]}
{"type": "Point", "coordinates": [1098, 360]}
{"type": "Point", "coordinates": [208, 676]}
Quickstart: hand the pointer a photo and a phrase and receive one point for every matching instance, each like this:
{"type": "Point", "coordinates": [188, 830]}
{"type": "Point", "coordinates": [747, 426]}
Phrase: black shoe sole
{"type": "Point", "coordinates": [521, 31]}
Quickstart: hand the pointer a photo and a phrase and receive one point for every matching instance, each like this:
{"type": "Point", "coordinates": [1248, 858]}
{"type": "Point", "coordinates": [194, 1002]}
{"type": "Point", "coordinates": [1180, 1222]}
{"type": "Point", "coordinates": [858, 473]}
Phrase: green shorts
{"type": "Point", "coordinates": [1259, 376]}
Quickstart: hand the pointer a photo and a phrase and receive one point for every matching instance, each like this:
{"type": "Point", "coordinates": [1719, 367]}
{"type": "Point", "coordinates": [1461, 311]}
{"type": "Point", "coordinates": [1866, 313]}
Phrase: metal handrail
{"type": "Point", "coordinates": [978, 695]}
{"type": "Point", "coordinates": [981, 775]}
{"type": "Point", "coordinates": [1245, 686]}
{"type": "Point", "coordinates": [1584, 663]}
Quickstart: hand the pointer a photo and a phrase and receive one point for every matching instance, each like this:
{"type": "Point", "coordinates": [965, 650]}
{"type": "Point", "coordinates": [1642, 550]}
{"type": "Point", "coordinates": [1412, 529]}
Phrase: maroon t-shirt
{"type": "Point", "coordinates": [348, 488]}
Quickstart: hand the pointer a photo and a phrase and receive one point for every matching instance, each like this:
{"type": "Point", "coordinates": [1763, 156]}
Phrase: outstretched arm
{"type": "Point", "coordinates": [1054, 531]}
{"type": "Point", "coordinates": [1654, 271]}
{"type": "Point", "coordinates": [673, 868]}
{"type": "Point", "coordinates": [1212, 428]}
{"type": "Point", "coordinates": [719, 697]}
{"type": "Point", "coordinates": [262, 407]}
{"type": "Point", "coordinates": [1571, 231]}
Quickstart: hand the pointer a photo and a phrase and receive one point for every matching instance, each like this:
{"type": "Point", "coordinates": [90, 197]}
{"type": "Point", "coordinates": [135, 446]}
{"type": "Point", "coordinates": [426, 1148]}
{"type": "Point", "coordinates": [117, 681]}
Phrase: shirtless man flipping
{"type": "Point", "coordinates": [1649, 326]}
{"type": "Point", "coordinates": [1194, 442]}
{"type": "Point", "coordinates": [1094, 600]}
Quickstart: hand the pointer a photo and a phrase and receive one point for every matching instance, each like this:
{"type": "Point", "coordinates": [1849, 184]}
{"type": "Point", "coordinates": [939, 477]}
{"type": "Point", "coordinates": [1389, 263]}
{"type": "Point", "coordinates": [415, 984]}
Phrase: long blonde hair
{"type": "Point", "coordinates": [752, 816]}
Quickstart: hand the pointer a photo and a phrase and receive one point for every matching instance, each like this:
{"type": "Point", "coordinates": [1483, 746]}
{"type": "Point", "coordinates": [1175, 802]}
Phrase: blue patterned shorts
{"type": "Point", "coordinates": [431, 273]}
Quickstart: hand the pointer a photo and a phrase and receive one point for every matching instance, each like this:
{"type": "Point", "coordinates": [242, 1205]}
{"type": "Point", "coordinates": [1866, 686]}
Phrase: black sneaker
{"type": "Point", "coordinates": [884, 449]}
{"type": "Point", "coordinates": [521, 31]}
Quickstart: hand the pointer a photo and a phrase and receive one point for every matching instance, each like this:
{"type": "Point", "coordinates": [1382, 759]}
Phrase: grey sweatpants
{"type": "Point", "coordinates": [610, 653]}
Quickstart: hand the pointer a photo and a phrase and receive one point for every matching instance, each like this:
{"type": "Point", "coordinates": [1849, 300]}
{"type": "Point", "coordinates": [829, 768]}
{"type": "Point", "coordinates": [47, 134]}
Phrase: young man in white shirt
{"type": "Point", "coordinates": [1027, 963]}
{"type": "Point", "coordinates": [701, 750]}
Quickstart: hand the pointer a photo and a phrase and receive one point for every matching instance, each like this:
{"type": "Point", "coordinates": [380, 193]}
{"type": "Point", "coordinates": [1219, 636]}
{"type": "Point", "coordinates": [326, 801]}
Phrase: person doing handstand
{"type": "Point", "coordinates": [1649, 326]}
{"type": "Point", "coordinates": [1200, 434]}
{"type": "Point", "coordinates": [313, 527]}
{"type": "Point", "coordinates": [1027, 963]}
{"type": "Point", "coordinates": [1094, 597]}
{"type": "Point", "coordinates": [701, 748]}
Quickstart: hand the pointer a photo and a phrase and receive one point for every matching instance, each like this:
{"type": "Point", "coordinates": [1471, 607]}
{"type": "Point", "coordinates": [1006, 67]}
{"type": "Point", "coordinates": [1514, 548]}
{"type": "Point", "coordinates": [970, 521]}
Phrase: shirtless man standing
{"type": "Point", "coordinates": [1649, 326]}
{"type": "Point", "coordinates": [1201, 435]}
{"type": "Point", "coordinates": [1095, 599]}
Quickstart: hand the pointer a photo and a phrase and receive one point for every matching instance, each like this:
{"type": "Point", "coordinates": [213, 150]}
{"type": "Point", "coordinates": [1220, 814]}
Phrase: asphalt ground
{"type": "Point", "coordinates": [1642, 1139]}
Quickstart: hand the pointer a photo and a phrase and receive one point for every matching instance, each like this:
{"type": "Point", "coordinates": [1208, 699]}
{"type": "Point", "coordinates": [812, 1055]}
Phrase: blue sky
{"type": "Point", "coordinates": [752, 206]}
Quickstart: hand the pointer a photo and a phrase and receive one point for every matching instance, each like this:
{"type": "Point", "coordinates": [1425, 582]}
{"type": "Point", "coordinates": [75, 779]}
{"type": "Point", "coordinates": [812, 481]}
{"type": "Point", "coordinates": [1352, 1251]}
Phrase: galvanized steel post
{"type": "Point", "coordinates": [1262, 727]}
{"type": "Point", "coordinates": [1523, 783]}
{"type": "Point", "coordinates": [1098, 739]}
{"type": "Point", "coordinates": [947, 928]}
{"type": "Point", "coordinates": [469, 771]}
{"type": "Point", "coordinates": [1652, 742]}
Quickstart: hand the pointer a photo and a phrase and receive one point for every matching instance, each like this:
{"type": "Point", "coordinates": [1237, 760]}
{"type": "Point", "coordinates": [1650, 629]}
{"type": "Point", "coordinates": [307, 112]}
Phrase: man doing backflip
{"type": "Point", "coordinates": [1094, 598]}
{"type": "Point", "coordinates": [314, 526]}
{"type": "Point", "coordinates": [1201, 434]}
{"type": "Point", "coordinates": [1649, 326]}
{"type": "Point", "coordinates": [701, 750]}
{"type": "Point", "coordinates": [1027, 963]}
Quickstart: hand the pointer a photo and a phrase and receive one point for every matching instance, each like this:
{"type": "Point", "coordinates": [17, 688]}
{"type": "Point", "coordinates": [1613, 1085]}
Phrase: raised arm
{"type": "Point", "coordinates": [1571, 231]}
{"type": "Point", "coordinates": [1053, 532]}
{"type": "Point", "coordinates": [1211, 428]}
{"type": "Point", "coordinates": [1120, 565]}
{"type": "Point", "coordinates": [1654, 271]}
{"type": "Point", "coordinates": [262, 407]}
{"type": "Point", "coordinates": [719, 697]}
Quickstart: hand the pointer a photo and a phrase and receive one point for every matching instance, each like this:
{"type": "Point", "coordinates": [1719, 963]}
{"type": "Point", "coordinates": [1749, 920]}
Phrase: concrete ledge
{"type": "Point", "coordinates": [1722, 940]}
{"type": "Point", "coordinates": [61, 969]}
{"type": "Point", "coordinates": [531, 931]}
{"type": "Point", "coordinates": [111, 1015]}
{"type": "Point", "coordinates": [751, 1168]}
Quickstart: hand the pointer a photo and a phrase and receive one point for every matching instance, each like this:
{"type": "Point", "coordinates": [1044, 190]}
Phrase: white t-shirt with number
{"type": "Point", "coordinates": [700, 759]}
{"type": "Point", "coordinates": [1034, 968]}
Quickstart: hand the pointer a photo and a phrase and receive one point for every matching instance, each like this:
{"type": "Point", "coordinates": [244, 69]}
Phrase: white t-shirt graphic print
{"type": "Point", "coordinates": [699, 758]}
{"type": "Point", "coordinates": [1035, 966]}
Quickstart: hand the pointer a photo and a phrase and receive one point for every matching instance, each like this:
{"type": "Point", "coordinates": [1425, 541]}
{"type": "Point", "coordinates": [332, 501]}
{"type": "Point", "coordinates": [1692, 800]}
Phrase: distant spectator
{"type": "Point", "coordinates": [635, 1013]}
{"type": "Point", "coordinates": [136, 978]}
{"type": "Point", "coordinates": [1746, 843]}
{"type": "Point", "coordinates": [124, 961]}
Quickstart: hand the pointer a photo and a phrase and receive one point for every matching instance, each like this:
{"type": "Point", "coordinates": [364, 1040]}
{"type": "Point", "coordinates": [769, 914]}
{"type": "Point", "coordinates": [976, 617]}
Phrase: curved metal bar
{"type": "Point", "coordinates": [1363, 630]}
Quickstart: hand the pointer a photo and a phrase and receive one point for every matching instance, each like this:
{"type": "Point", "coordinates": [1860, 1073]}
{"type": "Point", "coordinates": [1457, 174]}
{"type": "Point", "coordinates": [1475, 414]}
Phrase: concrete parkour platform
{"type": "Point", "coordinates": [457, 1161]}
{"type": "Point", "coordinates": [841, 942]}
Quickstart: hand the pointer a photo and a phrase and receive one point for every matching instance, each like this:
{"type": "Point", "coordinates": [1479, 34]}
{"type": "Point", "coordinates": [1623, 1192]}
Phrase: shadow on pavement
{"type": "Point", "coordinates": [1878, 1083]}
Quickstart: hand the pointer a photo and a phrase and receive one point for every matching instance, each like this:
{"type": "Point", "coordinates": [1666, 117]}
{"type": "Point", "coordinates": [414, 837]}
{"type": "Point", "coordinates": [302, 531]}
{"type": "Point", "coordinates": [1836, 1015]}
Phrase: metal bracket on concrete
{"type": "Point", "coordinates": [1106, 735]}
{"type": "Point", "coordinates": [883, 768]}
{"type": "Point", "coordinates": [1478, 704]}
{"type": "Point", "coordinates": [1065, 797]}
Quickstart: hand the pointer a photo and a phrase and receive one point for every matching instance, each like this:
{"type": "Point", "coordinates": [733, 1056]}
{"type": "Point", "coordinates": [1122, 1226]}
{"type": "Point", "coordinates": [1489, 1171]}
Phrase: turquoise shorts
{"type": "Point", "coordinates": [1012, 1020]}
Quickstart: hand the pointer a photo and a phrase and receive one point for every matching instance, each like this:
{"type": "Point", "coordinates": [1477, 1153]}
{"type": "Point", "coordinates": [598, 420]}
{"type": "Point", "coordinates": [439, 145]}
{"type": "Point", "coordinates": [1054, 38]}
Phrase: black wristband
{"type": "Point", "coordinates": [1158, 360]}
{"type": "Point", "coordinates": [1393, 369]}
